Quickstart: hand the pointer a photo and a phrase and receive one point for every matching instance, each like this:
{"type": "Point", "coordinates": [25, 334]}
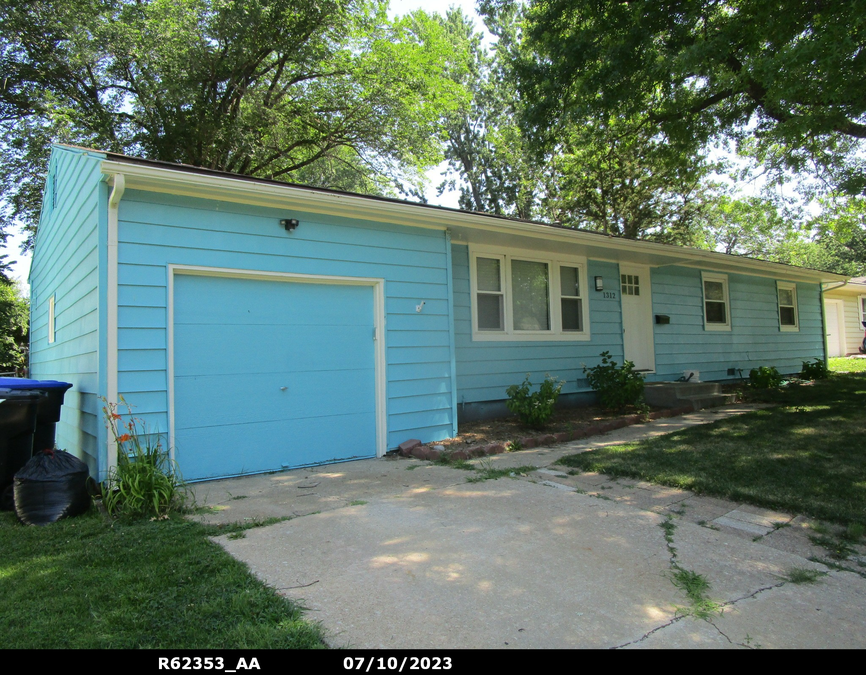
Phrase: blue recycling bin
{"type": "Point", "coordinates": [48, 407]}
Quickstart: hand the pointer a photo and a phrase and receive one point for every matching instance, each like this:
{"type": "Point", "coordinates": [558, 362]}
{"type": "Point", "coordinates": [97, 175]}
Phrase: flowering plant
{"type": "Point", "coordinates": [145, 481]}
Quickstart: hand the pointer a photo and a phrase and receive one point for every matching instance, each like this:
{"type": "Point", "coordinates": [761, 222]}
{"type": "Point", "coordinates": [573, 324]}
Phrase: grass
{"type": "Point", "coordinates": [804, 456]}
{"type": "Point", "coordinates": [843, 365]}
{"type": "Point", "coordinates": [803, 575]}
{"type": "Point", "coordinates": [89, 583]}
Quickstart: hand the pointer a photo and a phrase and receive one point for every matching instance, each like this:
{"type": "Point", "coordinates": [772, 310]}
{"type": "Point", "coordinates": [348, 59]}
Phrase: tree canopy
{"type": "Point", "coordinates": [785, 79]}
{"type": "Point", "coordinates": [325, 92]}
{"type": "Point", "coordinates": [14, 332]}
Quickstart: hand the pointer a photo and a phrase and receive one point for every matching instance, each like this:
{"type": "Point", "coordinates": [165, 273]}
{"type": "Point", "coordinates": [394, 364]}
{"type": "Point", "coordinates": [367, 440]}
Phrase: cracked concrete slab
{"type": "Point", "coordinates": [493, 565]}
{"type": "Point", "coordinates": [828, 614]}
{"type": "Point", "coordinates": [403, 553]}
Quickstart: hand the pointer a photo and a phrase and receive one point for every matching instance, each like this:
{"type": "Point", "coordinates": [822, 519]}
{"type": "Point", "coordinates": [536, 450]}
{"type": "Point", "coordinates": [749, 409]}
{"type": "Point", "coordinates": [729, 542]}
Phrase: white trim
{"type": "Point", "coordinates": [723, 278]}
{"type": "Point", "coordinates": [52, 320]}
{"type": "Point", "coordinates": [240, 190]}
{"type": "Point", "coordinates": [378, 286]}
{"type": "Point", "coordinates": [861, 309]}
{"type": "Point", "coordinates": [787, 286]}
{"type": "Point", "coordinates": [119, 185]}
{"type": "Point", "coordinates": [509, 333]}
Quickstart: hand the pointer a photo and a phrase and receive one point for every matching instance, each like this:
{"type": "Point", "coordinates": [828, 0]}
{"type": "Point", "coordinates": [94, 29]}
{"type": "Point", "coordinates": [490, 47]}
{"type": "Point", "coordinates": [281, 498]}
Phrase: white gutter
{"type": "Point", "coordinates": [119, 183]}
{"type": "Point", "coordinates": [243, 190]}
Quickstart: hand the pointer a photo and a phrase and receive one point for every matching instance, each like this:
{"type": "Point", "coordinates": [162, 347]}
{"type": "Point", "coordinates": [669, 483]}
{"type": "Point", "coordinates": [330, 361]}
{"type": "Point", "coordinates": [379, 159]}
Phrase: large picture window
{"type": "Point", "coordinates": [717, 306]}
{"type": "Point", "coordinates": [521, 297]}
{"type": "Point", "coordinates": [788, 315]}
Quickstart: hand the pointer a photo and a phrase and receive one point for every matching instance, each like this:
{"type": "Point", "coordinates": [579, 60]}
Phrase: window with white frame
{"type": "Point", "coordinates": [717, 305]}
{"type": "Point", "coordinates": [788, 315]}
{"type": "Point", "coordinates": [862, 309]}
{"type": "Point", "coordinates": [51, 319]}
{"type": "Point", "coordinates": [517, 296]}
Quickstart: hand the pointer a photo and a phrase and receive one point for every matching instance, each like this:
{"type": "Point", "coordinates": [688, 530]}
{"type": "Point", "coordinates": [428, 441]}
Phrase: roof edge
{"type": "Point", "coordinates": [153, 175]}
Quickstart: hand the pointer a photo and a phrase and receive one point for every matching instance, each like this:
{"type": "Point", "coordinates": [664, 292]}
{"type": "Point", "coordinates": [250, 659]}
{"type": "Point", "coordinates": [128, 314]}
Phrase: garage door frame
{"type": "Point", "coordinates": [378, 286]}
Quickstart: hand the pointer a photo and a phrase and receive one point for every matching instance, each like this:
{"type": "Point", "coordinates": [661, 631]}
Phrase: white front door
{"type": "Point", "coordinates": [833, 313]}
{"type": "Point", "coordinates": [637, 319]}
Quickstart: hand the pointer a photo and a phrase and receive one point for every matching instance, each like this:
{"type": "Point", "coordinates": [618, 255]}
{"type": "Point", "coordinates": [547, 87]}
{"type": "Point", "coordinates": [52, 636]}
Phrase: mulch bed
{"type": "Point", "coordinates": [493, 436]}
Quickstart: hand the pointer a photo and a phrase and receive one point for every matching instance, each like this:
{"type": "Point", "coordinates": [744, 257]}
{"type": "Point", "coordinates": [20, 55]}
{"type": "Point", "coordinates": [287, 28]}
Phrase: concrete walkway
{"type": "Point", "coordinates": [400, 553]}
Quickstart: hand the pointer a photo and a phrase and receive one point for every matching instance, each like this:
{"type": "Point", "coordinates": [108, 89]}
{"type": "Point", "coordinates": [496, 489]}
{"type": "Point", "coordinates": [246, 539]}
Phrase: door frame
{"type": "Point", "coordinates": [378, 286]}
{"type": "Point", "coordinates": [645, 314]}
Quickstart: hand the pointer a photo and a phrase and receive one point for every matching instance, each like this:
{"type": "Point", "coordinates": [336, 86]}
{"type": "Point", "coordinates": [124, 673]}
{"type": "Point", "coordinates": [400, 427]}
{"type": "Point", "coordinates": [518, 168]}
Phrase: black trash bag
{"type": "Point", "coordinates": [52, 485]}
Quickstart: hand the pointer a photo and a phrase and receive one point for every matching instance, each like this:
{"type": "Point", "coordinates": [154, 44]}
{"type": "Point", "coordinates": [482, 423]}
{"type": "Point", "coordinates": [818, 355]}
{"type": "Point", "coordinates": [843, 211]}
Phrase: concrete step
{"type": "Point", "coordinates": [710, 401]}
{"type": "Point", "coordinates": [674, 394]}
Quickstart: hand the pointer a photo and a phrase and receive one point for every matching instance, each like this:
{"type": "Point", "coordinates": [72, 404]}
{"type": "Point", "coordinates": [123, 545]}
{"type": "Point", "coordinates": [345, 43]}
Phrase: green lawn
{"type": "Point", "coordinates": [848, 365]}
{"type": "Point", "coordinates": [89, 583]}
{"type": "Point", "coordinates": [806, 456]}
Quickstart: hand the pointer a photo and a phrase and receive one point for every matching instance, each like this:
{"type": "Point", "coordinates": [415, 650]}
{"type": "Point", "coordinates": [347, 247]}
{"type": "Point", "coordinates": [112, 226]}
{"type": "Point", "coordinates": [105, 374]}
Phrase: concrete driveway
{"type": "Point", "coordinates": [398, 553]}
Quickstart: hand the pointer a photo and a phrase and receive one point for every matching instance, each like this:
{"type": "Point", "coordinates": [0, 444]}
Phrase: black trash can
{"type": "Point", "coordinates": [18, 413]}
{"type": "Point", "coordinates": [48, 413]}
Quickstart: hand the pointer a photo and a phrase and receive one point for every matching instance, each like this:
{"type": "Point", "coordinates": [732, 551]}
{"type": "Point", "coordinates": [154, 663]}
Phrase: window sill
{"type": "Point", "coordinates": [502, 336]}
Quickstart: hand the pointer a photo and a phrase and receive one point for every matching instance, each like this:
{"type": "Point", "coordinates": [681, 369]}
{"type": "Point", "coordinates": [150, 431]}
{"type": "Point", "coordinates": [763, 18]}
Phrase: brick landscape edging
{"type": "Point", "coordinates": [414, 448]}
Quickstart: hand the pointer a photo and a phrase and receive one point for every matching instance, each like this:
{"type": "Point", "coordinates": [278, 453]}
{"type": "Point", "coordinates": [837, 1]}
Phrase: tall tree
{"type": "Point", "coordinates": [614, 177]}
{"type": "Point", "coordinates": [14, 331]}
{"type": "Point", "coordinates": [328, 92]}
{"type": "Point", "coordinates": [788, 77]}
{"type": "Point", "coordinates": [485, 146]}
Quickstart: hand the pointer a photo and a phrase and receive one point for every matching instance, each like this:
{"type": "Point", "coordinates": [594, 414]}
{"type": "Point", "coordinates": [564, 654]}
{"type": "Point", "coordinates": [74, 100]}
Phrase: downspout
{"type": "Point", "coordinates": [119, 185]}
{"type": "Point", "coordinates": [449, 270]}
{"type": "Point", "coordinates": [824, 326]}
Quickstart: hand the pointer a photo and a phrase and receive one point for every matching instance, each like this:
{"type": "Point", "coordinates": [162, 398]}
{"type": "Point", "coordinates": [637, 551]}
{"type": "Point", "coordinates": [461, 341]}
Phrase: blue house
{"type": "Point", "coordinates": [260, 325]}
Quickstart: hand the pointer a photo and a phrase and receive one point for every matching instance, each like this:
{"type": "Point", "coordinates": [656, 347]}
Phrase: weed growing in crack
{"type": "Point", "coordinates": [748, 640]}
{"type": "Point", "coordinates": [803, 575]}
{"type": "Point", "coordinates": [487, 472]}
{"type": "Point", "coordinates": [696, 587]}
{"type": "Point", "coordinates": [238, 528]}
{"type": "Point", "coordinates": [836, 566]}
{"type": "Point", "coordinates": [669, 526]}
{"type": "Point", "coordinates": [461, 464]}
{"type": "Point", "coordinates": [709, 526]}
{"type": "Point", "coordinates": [837, 549]}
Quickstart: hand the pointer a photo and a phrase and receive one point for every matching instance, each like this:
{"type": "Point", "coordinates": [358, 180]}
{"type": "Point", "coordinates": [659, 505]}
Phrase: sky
{"type": "Point", "coordinates": [21, 268]}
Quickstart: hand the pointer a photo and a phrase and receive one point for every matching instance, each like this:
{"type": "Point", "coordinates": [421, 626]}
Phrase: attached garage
{"type": "Point", "coordinates": [271, 371]}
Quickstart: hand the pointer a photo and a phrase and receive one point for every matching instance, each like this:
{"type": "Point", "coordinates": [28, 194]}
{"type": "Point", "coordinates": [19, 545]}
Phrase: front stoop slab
{"type": "Point", "coordinates": [699, 395]}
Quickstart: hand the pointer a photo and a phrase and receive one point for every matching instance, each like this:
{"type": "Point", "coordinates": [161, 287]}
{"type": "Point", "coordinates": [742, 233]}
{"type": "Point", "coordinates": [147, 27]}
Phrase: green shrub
{"type": "Point", "coordinates": [764, 377]}
{"type": "Point", "coordinates": [814, 370]}
{"type": "Point", "coordinates": [146, 482]}
{"type": "Point", "coordinates": [534, 409]}
{"type": "Point", "coordinates": [617, 387]}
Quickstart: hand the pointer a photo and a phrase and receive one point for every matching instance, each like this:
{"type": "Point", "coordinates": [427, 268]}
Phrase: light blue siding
{"type": "Point", "coordinates": [754, 339]}
{"type": "Point", "coordinates": [65, 265]}
{"type": "Point", "coordinates": [156, 230]}
{"type": "Point", "coordinates": [486, 369]}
